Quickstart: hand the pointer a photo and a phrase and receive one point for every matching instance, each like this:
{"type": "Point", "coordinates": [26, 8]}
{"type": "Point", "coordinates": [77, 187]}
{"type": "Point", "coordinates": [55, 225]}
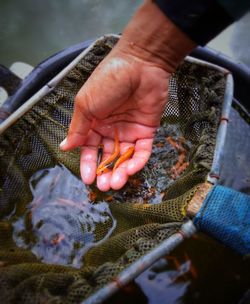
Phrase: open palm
{"type": "Point", "coordinates": [126, 94]}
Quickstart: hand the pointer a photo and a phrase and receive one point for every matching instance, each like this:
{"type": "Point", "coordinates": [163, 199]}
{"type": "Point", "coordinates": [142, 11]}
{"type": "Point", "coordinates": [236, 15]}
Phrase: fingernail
{"type": "Point", "coordinates": [63, 143]}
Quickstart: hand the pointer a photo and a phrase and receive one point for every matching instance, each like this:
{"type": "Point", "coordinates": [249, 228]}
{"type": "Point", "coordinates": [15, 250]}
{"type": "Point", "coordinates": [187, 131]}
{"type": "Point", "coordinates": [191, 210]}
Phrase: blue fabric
{"type": "Point", "coordinates": [225, 215]}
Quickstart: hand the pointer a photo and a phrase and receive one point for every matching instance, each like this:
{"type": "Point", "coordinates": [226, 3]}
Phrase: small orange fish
{"type": "Point", "coordinates": [124, 157]}
{"type": "Point", "coordinates": [57, 239]}
{"type": "Point", "coordinates": [100, 154]}
{"type": "Point", "coordinates": [172, 142]}
{"type": "Point", "coordinates": [92, 196]}
{"type": "Point", "coordinates": [103, 166]}
{"type": "Point", "coordinates": [192, 269]}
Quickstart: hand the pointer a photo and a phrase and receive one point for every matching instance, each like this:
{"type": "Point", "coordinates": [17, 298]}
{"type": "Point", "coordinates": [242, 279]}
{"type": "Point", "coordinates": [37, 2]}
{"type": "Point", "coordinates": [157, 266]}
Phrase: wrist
{"type": "Point", "coordinates": [152, 37]}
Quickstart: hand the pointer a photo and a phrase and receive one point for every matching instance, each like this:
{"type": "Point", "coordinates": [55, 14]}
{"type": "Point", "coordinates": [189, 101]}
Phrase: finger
{"type": "Point", "coordinates": [89, 158]}
{"type": "Point", "coordinates": [125, 146]}
{"type": "Point", "coordinates": [103, 181]}
{"type": "Point", "coordinates": [119, 177]}
{"type": "Point", "coordinates": [143, 149]}
{"type": "Point", "coordinates": [108, 147]}
{"type": "Point", "coordinates": [88, 165]}
{"type": "Point", "coordinates": [79, 126]}
{"type": "Point", "coordinates": [126, 152]}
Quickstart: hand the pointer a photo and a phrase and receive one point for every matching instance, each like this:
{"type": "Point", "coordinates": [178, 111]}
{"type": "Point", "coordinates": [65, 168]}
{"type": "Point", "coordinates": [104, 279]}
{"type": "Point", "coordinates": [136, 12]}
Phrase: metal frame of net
{"type": "Point", "coordinates": [137, 233]}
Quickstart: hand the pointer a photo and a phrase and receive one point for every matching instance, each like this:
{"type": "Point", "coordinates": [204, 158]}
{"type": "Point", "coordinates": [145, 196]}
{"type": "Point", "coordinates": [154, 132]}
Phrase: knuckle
{"type": "Point", "coordinates": [78, 100]}
{"type": "Point", "coordinates": [83, 104]}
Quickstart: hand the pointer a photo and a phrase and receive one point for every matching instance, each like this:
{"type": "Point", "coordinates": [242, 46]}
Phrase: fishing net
{"type": "Point", "coordinates": [61, 240]}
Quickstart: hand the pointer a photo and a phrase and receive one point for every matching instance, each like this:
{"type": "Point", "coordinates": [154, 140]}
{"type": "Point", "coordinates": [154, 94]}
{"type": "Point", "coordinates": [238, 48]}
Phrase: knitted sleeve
{"type": "Point", "coordinates": [202, 20]}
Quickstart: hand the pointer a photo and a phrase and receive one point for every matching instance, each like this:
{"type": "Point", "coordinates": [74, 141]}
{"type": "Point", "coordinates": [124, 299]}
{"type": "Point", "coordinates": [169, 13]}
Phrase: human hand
{"type": "Point", "coordinates": [124, 93]}
{"type": "Point", "coordinates": [127, 92]}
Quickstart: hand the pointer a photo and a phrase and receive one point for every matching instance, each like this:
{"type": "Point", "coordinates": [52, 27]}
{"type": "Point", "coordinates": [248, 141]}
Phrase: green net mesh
{"type": "Point", "coordinates": [61, 240]}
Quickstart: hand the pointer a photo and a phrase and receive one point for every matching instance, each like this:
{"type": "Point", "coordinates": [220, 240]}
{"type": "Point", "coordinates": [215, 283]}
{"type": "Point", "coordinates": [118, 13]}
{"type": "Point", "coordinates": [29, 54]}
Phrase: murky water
{"type": "Point", "coordinates": [30, 31]}
{"type": "Point", "coordinates": [200, 270]}
{"type": "Point", "coordinates": [59, 224]}
{"type": "Point", "coordinates": [59, 227]}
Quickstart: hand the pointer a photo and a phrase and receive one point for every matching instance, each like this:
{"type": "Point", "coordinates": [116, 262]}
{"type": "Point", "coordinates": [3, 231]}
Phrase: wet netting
{"type": "Point", "coordinates": [61, 240]}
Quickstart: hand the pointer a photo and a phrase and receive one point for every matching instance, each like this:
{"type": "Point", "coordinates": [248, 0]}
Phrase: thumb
{"type": "Point", "coordinates": [79, 126]}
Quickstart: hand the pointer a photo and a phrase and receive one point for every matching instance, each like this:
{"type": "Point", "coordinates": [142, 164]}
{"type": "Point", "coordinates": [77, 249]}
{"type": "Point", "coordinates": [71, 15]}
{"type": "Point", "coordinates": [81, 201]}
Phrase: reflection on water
{"type": "Point", "coordinates": [165, 280]}
{"type": "Point", "coordinates": [58, 226]}
{"type": "Point", "coordinates": [203, 271]}
{"type": "Point", "coordinates": [60, 223]}
{"type": "Point", "coordinates": [30, 31]}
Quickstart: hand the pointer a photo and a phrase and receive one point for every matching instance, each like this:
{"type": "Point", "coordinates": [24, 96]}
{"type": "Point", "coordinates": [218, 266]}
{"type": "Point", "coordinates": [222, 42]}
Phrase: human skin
{"type": "Point", "coordinates": [128, 92]}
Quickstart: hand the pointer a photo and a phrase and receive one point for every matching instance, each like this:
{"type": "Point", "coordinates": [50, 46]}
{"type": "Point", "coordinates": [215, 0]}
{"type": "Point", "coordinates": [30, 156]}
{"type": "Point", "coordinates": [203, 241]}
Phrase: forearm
{"type": "Point", "coordinates": [152, 37]}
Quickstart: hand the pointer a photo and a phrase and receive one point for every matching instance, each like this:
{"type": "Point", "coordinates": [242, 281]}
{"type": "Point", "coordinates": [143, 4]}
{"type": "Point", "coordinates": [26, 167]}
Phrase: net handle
{"type": "Point", "coordinates": [135, 269]}
{"type": "Point", "coordinates": [49, 87]}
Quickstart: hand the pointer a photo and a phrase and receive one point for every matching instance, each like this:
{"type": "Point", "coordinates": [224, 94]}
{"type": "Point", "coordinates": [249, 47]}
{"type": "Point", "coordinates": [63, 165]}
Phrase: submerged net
{"type": "Point", "coordinates": [60, 240]}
